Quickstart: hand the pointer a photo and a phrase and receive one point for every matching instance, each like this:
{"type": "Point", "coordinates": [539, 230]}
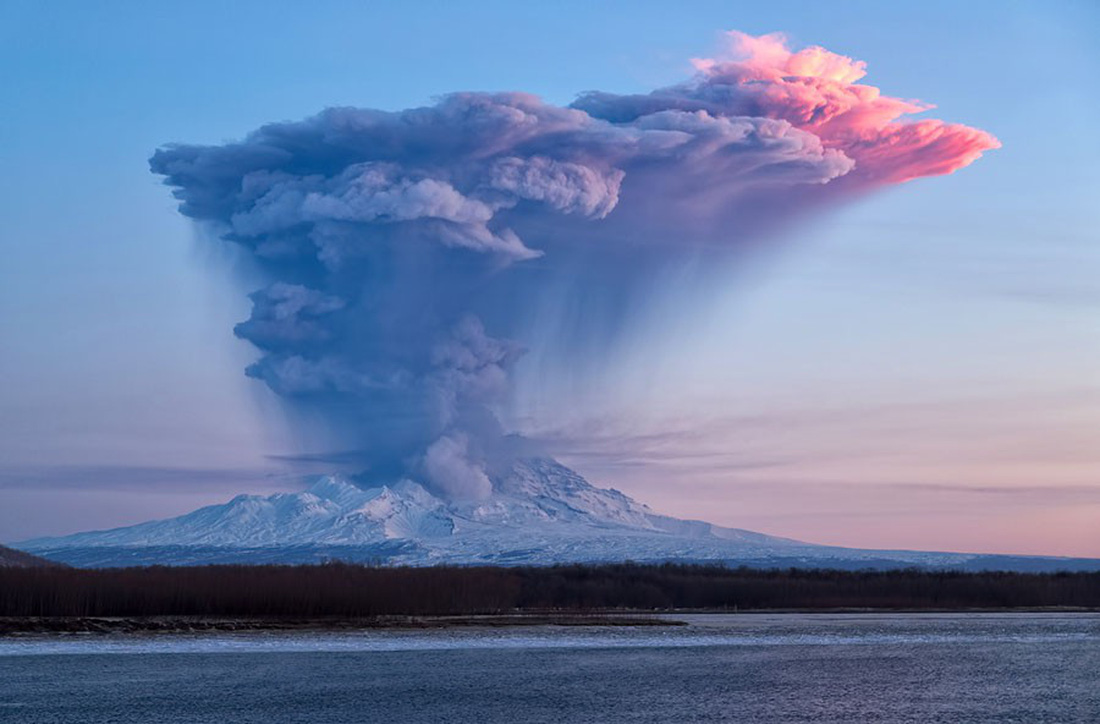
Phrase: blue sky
{"type": "Point", "coordinates": [915, 370]}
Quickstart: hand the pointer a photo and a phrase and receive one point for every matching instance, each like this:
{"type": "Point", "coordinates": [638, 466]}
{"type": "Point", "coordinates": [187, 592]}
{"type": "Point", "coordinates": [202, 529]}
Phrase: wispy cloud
{"type": "Point", "coordinates": [147, 479]}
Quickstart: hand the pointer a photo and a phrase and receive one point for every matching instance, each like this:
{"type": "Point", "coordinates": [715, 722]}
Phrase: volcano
{"type": "Point", "coordinates": [538, 513]}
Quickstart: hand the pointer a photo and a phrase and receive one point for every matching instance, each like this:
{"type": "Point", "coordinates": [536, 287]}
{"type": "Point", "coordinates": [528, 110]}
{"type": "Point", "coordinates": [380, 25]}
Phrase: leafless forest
{"type": "Point", "coordinates": [340, 590]}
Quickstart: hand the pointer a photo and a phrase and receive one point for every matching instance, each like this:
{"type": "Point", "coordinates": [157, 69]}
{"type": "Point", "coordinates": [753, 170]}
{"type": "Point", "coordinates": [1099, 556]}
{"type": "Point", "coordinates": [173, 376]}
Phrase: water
{"type": "Point", "coordinates": [1026, 668]}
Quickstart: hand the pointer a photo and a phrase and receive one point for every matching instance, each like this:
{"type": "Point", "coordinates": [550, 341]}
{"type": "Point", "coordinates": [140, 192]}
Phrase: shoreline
{"type": "Point", "coordinates": [110, 625]}
{"type": "Point", "coordinates": [14, 626]}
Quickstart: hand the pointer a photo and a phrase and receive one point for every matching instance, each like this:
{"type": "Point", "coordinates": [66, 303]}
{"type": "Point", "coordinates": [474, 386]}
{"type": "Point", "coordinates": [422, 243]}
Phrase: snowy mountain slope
{"type": "Point", "coordinates": [540, 512]}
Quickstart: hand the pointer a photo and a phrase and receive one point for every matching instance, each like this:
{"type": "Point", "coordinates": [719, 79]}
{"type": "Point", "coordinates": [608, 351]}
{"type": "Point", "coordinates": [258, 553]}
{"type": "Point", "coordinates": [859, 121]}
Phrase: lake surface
{"type": "Point", "coordinates": [1026, 668]}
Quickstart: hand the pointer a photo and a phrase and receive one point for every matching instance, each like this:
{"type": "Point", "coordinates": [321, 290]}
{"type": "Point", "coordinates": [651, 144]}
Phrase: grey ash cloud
{"type": "Point", "coordinates": [406, 254]}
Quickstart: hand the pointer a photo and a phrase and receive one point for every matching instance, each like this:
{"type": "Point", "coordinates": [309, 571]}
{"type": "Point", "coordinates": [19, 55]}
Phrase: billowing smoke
{"type": "Point", "coordinates": [404, 251]}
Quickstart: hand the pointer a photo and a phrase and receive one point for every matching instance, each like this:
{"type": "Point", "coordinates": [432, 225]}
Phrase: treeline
{"type": "Point", "coordinates": [342, 590]}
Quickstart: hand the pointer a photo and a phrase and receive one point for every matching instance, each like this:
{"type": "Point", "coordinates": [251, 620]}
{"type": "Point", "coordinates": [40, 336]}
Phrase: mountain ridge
{"type": "Point", "coordinates": [12, 558]}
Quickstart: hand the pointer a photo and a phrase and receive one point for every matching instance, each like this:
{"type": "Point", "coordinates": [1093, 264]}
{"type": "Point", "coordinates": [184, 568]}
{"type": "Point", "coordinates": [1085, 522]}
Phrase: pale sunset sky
{"type": "Point", "coordinates": [918, 367]}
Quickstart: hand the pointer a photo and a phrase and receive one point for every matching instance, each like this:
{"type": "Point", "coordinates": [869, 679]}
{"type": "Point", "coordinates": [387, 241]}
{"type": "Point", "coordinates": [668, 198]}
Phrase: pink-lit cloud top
{"type": "Point", "coordinates": [818, 91]}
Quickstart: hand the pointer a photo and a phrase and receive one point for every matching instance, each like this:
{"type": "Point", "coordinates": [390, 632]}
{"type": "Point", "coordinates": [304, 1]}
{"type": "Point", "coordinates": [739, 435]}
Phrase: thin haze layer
{"type": "Point", "coordinates": [404, 251]}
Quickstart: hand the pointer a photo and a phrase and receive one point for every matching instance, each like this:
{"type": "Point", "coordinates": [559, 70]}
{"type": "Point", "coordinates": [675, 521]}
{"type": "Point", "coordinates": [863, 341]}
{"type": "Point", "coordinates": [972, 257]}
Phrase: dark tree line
{"type": "Point", "coordinates": [342, 590]}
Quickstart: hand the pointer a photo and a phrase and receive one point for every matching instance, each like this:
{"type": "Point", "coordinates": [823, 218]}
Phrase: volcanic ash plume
{"type": "Point", "coordinates": [404, 251]}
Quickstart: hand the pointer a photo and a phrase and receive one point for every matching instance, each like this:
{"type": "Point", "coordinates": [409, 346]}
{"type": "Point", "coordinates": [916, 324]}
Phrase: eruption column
{"type": "Point", "coordinates": [404, 251]}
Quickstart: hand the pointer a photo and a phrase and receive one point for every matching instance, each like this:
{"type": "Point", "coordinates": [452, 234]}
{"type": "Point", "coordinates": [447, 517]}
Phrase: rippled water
{"type": "Point", "coordinates": [1024, 668]}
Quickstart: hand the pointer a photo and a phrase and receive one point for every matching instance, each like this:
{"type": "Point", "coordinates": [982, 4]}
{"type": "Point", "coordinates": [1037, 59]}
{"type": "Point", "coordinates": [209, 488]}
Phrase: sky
{"type": "Point", "coordinates": [914, 369]}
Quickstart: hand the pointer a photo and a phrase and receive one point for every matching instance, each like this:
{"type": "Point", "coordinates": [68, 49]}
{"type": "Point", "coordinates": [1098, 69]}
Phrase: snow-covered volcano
{"type": "Point", "coordinates": [539, 512]}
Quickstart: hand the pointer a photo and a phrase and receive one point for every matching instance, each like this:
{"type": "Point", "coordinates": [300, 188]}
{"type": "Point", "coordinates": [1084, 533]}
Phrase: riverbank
{"type": "Point", "coordinates": [80, 625]}
{"type": "Point", "coordinates": [20, 625]}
